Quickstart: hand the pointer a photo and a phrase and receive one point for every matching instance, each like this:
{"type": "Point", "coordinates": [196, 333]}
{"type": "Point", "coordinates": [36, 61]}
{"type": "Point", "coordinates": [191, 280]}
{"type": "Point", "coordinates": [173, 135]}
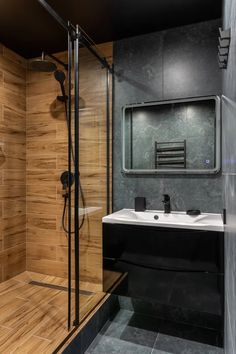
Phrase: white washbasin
{"type": "Point", "coordinates": [204, 221]}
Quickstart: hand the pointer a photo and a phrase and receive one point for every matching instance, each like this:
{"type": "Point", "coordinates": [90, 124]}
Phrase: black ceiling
{"type": "Point", "coordinates": [27, 28]}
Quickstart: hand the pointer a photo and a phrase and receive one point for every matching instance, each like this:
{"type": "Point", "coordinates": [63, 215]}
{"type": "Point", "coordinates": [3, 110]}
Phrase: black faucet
{"type": "Point", "coordinates": [166, 202]}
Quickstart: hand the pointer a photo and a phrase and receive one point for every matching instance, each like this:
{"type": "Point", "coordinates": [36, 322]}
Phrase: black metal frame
{"type": "Point", "coordinates": [218, 127]}
{"type": "Point", "coordinates": [72, 30]}
{"type": "Point", "coordinates": [108, 138]}
{"type": "Point", "coordinates": [69, 169]}
{"type": "Point", "coordinates": [77, 37]}
{"type": "Point", "coordinates": [57, 60]}
{"type": "Point", "coordinates": [77, 179]}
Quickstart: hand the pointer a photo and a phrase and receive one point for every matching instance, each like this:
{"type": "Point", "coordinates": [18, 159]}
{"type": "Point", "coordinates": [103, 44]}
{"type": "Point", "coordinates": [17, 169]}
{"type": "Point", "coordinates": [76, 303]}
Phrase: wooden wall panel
{"type": "Point", "coordinates": [46, 145]}
{"type": "Point", "coordinates": [12, 164]}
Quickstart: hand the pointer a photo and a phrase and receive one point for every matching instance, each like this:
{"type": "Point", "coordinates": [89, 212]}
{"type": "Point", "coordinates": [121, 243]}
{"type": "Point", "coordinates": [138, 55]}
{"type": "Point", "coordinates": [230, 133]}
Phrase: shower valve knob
{"type": "Point", "coordinates": [65, 193]}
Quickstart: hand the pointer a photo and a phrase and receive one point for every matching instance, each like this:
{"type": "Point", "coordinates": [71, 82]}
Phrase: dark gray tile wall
{"type": "Point", "coordinates": [176, 63]}
{"type": "Point", "coordinates": [229, 177]}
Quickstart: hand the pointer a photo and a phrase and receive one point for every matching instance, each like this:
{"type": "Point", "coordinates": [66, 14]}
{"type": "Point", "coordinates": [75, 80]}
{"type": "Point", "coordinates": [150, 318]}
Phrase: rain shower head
{"type": "Point", "coordinates": [43, 65]}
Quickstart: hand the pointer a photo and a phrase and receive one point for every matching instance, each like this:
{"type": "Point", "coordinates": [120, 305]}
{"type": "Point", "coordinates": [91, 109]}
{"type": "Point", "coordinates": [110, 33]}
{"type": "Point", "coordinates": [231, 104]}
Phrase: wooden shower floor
{"type": "Point", "coordinates": [33, 318]}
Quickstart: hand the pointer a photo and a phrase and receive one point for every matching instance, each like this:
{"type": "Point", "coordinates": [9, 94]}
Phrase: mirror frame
{"type": "Point", "coordinates": [215, 170]}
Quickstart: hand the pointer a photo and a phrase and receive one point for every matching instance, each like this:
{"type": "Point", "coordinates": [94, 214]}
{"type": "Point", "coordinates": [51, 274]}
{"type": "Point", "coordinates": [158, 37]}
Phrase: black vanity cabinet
{"type": "Point", "coordinates": [173, 272]}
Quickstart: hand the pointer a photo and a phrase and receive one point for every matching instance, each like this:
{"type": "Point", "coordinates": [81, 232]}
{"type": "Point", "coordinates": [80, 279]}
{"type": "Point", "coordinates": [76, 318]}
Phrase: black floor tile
{"type": "Point", "coordinates": [107, 345]}
{"type": "Point", "coordinates": [177, 345]}
{"type": "Point", "coordinates": [133, 328]}
{"type": "Point", "coordinates": [146, 322]}
{"type": "Point", "coordinates": [194, 333]}
{"type": "Point", "coordinates": [133, 333]}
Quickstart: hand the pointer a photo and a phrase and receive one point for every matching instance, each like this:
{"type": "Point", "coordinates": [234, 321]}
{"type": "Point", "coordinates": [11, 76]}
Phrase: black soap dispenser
{"type": "Point", "coordinates": [140, 204]}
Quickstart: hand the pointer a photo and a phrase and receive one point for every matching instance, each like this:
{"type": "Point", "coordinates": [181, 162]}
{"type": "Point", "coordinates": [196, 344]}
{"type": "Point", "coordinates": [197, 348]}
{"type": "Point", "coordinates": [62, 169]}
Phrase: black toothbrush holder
{"type": "Point", "coordinates": [140, 204]}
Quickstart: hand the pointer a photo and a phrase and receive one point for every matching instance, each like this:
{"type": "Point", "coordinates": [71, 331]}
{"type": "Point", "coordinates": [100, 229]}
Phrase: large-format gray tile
{"type": "Point", "coordinates": [116, 327]}
{"type": "Point", "coordinates": [182, 346]}
{"type": "Point", "coordinates": [191, 333]}
{"type": "Point", "coordinates": [229, 87]}
{"type": "Point", "coordinates": [229, 168]}
{"type": "Point", "coordinates": [171, 313]}
{"type": "Point", "coordinates": [139, 336]}
{"type": "Point", "coordinates": [132, 328]}
{"type": "Point", "coordinates": [140, 77]}
{"type": "Point", "coordinates": [189, 59]}
{"type": "Point", "coordinates": [126, 303]}
{"type": "Point", "coordinates": [137, 78]}
{"type": "Point", "coordinates": [230, 264]}
{"type": "Point", "coordinates": [125, 333]}
{"type": "Point", "coordinates": [94, 325]}
{"type": "Point", "coordinates": [228, 135]}
{"type": "Point", "coordinates": [108, 345]}
{"type": "Point", "coordinates": [142, 330]}
{"type": "Point", "coordinates": [206, 193]}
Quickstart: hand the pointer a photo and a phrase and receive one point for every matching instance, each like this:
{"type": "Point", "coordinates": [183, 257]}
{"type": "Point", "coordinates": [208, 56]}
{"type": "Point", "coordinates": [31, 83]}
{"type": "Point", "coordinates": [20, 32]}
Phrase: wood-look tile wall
{"type": "Point", "coordinates": [35, 145]}
{"type": "Point", "coordinates": [46, 145]}
{"type": "Point", "coordinates": [12, 164]}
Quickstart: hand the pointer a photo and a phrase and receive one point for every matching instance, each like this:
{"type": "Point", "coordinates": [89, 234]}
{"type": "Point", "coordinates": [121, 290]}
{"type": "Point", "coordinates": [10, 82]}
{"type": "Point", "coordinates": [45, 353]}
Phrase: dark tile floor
{"type": "Point", "coordinates": [125, 334]}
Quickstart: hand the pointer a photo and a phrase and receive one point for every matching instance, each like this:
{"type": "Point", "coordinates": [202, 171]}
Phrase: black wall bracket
{"type": "Point", "coordinates": [224, 216]}
{"type": "Point", "coordinates": [223, 47]}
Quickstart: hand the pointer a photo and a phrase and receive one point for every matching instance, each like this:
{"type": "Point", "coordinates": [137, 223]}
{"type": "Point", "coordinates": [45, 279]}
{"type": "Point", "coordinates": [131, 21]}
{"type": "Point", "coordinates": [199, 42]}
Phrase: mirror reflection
{"type": "Point", "coordinates": [176, 136]}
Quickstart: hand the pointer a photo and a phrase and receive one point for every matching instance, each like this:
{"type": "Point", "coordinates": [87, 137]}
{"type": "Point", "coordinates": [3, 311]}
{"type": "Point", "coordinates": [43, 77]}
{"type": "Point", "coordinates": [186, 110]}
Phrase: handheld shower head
{"type": "Point", "coordinates": [60, 76]}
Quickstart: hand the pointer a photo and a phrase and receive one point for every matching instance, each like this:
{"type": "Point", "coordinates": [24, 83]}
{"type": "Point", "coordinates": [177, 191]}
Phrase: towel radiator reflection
{"type": "Point", "coordinates": [170, 154]}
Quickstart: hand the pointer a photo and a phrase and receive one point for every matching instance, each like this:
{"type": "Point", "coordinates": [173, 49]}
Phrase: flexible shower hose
{"type": "Point", "coordinates": [64, 211]}
{"type": "Point", "coordinates": [80, 186]}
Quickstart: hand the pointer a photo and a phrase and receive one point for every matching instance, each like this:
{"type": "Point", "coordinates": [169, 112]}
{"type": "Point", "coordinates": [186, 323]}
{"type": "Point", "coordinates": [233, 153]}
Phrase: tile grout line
{"type": "Point", "coordinates": [153, 348]}
{"type": "Point", "coordinates": [228, 173]}
{"type": "Point", "coordinates": [45, 339]}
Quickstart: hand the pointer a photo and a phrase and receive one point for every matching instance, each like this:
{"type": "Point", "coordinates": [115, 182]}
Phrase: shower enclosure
{"type": "Point", "coordinates": [56, 169]}
{"type": "Point", "coordinates": [86, 179]}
